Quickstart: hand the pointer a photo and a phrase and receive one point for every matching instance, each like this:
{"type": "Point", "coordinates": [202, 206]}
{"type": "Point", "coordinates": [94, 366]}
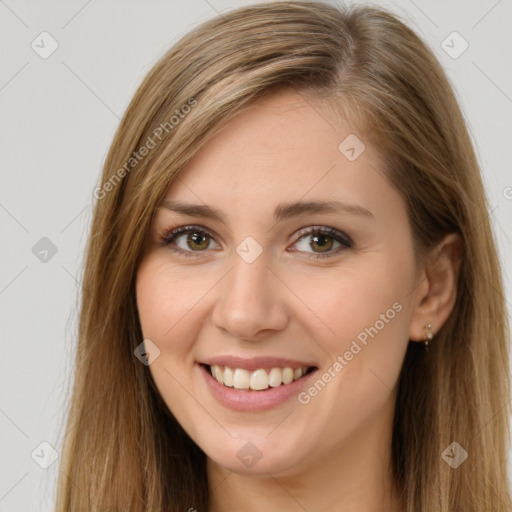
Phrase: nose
{"type": "Point", "coordinates": [250, 303]}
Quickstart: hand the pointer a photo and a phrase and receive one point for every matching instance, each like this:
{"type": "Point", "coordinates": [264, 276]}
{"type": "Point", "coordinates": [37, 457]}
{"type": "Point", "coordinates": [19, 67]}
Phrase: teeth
{"type": "Point", "coordinates": [241, 379]}
{"type": "Point", "coordinates": [287, 375]}
{"type": "Point", "coordinates": [257, 380]}
{"type": "Point", "coordinates": [228, 377]}
{"type": "Point", "coordinates": [275, 377]}
{"type": "Point", "coordinates": [218, 374]}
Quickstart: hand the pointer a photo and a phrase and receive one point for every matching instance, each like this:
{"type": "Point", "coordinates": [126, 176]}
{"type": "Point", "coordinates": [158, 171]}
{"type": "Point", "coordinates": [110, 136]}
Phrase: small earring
{"type": "Point", "coordinates": [429, 335]}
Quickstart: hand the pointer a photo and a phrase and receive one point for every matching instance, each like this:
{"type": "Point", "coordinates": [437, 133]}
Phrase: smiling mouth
{"type": "Point", "coordinates": [257, 380]}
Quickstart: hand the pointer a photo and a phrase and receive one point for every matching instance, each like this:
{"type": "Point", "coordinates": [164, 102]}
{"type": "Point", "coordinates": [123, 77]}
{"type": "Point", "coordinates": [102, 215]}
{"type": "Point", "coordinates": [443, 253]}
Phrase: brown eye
{"type": "Point", "coordinates": [188, 240]}
{"type": "Point", "coordinates": [322, 241]}
{"type": "Point", "coordinates": [196, 240]}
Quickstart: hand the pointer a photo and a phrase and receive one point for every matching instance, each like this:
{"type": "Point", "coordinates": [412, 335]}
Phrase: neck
{"type": "Point", "coordinates": [355, 478]}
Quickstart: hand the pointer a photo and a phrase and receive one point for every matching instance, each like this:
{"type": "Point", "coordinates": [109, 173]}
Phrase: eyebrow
{"type": "Point", "coordinates": [283, 211]}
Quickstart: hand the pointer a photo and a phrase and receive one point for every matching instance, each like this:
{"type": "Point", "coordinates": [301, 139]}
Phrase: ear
{"type": "Point", "coordinates": [437, 287]}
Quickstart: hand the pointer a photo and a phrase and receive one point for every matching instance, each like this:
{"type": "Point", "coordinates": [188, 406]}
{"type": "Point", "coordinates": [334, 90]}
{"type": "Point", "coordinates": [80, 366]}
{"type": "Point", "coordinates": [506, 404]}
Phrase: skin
{"type": "Point", "coordinates": [334, 452]}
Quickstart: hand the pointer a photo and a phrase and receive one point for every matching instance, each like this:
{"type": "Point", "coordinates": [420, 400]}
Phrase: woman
{"type": "Point", "coordinates": [292, 297]}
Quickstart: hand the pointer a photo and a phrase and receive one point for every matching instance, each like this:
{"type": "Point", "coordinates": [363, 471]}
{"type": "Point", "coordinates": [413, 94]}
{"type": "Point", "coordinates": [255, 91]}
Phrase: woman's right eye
{"type": "Point", "coordinates": [188, 240]}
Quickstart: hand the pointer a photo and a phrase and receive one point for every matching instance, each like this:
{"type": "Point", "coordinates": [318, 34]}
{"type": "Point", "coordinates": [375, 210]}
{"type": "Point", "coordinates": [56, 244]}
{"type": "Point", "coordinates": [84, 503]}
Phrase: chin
{"type": "Point", "coordinates": [255, 455]}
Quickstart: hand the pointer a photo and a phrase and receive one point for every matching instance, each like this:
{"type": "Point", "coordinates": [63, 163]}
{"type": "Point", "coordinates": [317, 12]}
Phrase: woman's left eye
{"type": "Point", "coordinates": [324, 238]}
{"type": "Point", "coordinates": [192, 240]}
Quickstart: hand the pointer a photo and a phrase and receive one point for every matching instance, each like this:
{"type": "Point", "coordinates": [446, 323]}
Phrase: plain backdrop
{"type": "Point", "coordinates": [58, 116]}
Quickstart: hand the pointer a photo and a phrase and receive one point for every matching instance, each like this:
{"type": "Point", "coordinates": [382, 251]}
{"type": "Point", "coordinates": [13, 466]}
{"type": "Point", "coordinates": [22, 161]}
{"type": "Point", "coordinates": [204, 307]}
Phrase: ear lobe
{"type": "Point", "coordinates": [435, 300]}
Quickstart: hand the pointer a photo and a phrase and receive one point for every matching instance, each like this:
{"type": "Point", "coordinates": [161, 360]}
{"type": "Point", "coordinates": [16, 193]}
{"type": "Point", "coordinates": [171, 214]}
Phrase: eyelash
{"type": "Point", "coordinates": [338, 236]}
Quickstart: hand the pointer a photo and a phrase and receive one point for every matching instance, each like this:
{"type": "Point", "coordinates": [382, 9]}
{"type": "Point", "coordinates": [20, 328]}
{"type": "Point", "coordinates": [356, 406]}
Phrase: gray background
{"type": "Point", "coordinates": [58, 118]}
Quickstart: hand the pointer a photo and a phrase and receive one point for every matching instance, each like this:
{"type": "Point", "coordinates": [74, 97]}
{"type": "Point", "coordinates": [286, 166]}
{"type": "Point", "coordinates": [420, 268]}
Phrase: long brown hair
{"type": "Point", "coordinates": [123, 450]}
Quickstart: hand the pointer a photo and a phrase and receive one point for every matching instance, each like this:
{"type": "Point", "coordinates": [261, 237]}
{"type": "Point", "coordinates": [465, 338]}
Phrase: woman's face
{"type": "Point", "coordinates": [274, 285]}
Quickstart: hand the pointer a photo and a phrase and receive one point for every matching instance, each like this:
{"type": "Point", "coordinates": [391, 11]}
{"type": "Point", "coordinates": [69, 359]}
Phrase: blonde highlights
{"type": "Point", "coordinates": [123, 449]}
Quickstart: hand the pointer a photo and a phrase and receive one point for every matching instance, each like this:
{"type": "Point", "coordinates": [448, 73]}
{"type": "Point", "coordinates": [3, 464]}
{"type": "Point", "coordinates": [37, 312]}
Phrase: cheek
{"type": "Point", "coordinates": [364, 333]}
{"type": "Point", "coordinates": [362, 321]}
{"type": "Point", "coordinates": [353, 303]}
{"type": "Point", "coordinates": [163, 305]}
{"type": "Point", "coordinates": [168, 308]}
{"type": "Point", "coordinates": [167, 300]}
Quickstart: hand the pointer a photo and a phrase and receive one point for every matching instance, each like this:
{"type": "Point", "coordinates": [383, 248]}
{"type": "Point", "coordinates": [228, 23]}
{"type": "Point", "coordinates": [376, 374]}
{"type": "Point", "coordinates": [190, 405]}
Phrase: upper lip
{"type": "Point", "coordinates": [255, 363]}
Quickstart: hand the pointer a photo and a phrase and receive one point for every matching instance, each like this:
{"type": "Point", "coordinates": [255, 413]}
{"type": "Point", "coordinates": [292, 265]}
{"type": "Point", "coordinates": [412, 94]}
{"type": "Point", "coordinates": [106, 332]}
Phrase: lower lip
{"type": "Point", "coordinates": [250, 400]}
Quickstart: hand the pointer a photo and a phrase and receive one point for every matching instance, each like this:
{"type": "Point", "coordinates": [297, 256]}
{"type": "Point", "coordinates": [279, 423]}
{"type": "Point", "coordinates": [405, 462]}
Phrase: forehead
{"type": "Point", "coordinates": [284, 147]}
